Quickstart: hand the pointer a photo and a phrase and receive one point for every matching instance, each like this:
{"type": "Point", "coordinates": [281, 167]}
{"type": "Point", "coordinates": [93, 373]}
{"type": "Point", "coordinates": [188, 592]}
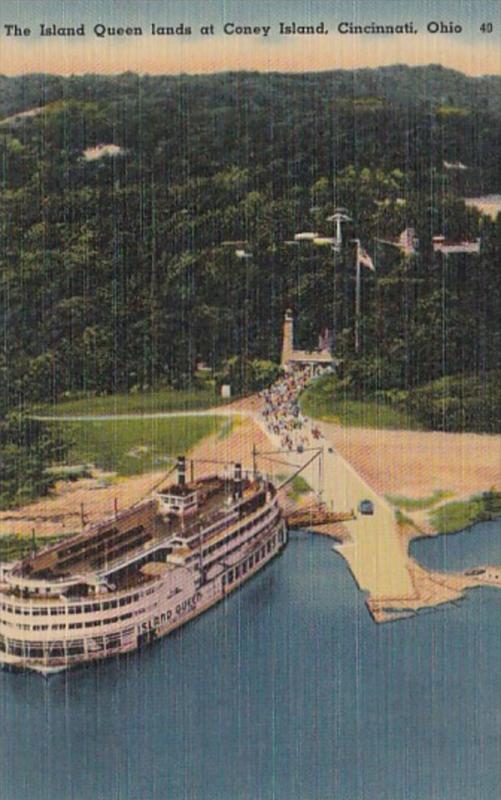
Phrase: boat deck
{"type": "Point", "coordinates": [118, 541]}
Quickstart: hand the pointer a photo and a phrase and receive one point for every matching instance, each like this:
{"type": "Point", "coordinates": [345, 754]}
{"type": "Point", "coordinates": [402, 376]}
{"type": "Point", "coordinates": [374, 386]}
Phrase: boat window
{"type": "Point", "coordinates": [34, 652]}
{"type": "Point", "coordinates": [75, 649]}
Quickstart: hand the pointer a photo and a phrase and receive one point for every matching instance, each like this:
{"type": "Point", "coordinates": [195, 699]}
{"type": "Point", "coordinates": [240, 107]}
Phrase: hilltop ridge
{"type": "Point", "coordinates": [429, 85]}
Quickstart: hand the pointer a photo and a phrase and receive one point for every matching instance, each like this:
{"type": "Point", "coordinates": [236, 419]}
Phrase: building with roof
{"type": "Point", "coordinates": [441, 245]}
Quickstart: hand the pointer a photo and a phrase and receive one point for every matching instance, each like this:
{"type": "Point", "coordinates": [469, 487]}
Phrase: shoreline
{"type": "Point", "coordinates": [375, 548]}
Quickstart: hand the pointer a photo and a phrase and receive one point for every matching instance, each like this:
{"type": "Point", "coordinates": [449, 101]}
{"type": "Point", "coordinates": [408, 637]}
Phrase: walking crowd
{"type": "Point", "coordinates": [281, 411]}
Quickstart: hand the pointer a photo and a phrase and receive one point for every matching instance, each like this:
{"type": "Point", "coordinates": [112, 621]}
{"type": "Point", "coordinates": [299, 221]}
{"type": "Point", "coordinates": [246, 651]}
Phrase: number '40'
{"type": "Point", "coordinates": [486, 27]}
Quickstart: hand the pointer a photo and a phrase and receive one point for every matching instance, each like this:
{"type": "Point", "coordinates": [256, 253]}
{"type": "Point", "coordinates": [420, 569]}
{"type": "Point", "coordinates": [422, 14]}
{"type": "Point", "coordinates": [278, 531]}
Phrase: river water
{"type": "Point", "coordinates": [477, 546]}
{"type": "Point", "coordinates": [287, 691]}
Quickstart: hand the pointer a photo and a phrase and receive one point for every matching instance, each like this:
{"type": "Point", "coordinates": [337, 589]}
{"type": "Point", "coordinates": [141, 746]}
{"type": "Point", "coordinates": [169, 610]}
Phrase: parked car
{"type": "Point", "coordinates": [366, 507]}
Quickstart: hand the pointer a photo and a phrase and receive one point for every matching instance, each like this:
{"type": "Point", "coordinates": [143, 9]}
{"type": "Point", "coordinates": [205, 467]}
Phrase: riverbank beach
{"type": "Point", "coordinates": [360, 473]}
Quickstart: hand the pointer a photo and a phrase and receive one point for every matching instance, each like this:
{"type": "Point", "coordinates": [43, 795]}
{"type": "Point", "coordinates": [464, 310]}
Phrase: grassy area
{"type": "Point", "coordinates": [298, 486]}
{"type": "Point", "coordinates": [140, 403]}
{"type": "Point", "coordinates": [227, 425]}
{"type": "Point", "coordinates": [405, 521]}
{"type": "Point", "coordinates": [459, 515]}
{"type": "Point", "coordinates": [461, 403]}
{"type": "Point", "coordinates": [416, 504]}
{"type": "Point", "coordinates": [131, 447]}
{"type": "Point", "coordinates": [322, 401]}
{"type": "Point", "coordinates": [14, 546]}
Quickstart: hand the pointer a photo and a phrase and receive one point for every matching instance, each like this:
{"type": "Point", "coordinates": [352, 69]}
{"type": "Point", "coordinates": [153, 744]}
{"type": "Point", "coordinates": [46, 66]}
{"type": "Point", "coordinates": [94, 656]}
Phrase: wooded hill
{"type": "Point", "coordinates": [113, 272]}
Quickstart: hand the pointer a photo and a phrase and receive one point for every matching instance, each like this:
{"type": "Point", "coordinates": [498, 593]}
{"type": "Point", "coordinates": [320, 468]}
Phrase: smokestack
{"type": "Point", "coordinates": [181, 470]}
{"type": "Point", "coordinates": [238, 480]}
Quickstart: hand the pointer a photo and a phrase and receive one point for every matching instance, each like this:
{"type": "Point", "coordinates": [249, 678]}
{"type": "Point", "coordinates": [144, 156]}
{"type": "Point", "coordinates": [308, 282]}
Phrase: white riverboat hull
{"type": "Point", "coordinates": [170, 612]}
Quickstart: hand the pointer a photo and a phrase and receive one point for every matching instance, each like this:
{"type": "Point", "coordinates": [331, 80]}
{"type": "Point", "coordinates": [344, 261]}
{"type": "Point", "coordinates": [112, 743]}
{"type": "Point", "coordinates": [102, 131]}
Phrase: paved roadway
{"type": "Point", "coordinates": [376, 554]}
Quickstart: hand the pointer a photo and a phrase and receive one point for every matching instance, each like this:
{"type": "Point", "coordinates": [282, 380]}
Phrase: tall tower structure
{"type": "Point", "coordinates": [340, 215]}
{"type": "Point", "coordinates": [302, 358]}
{"type": "Point", "coordinates": [288, 338]}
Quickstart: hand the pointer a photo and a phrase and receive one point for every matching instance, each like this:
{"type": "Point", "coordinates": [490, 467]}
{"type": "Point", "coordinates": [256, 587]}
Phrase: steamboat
{"type": "Point", "coordinates": [139, 574]}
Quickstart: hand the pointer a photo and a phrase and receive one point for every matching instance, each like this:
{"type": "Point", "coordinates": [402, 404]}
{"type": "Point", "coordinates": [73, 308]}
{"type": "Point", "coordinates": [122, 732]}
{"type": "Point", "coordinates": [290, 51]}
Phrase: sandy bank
{"type": "Point", "coordinates": [412, 464]}
{"type": "Point", "coordinates": [363, 464]}
{"type": "Point", "coordinates": [417, 463]}
{"type": "Point", "coordinates": [61, 512]}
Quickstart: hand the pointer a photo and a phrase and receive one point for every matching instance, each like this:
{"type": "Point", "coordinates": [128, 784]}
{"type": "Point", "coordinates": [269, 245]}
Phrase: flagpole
{"type": "Point", "coordinates": [357, 297]}
{"type": "Point", "coordinates": [339, 235]}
